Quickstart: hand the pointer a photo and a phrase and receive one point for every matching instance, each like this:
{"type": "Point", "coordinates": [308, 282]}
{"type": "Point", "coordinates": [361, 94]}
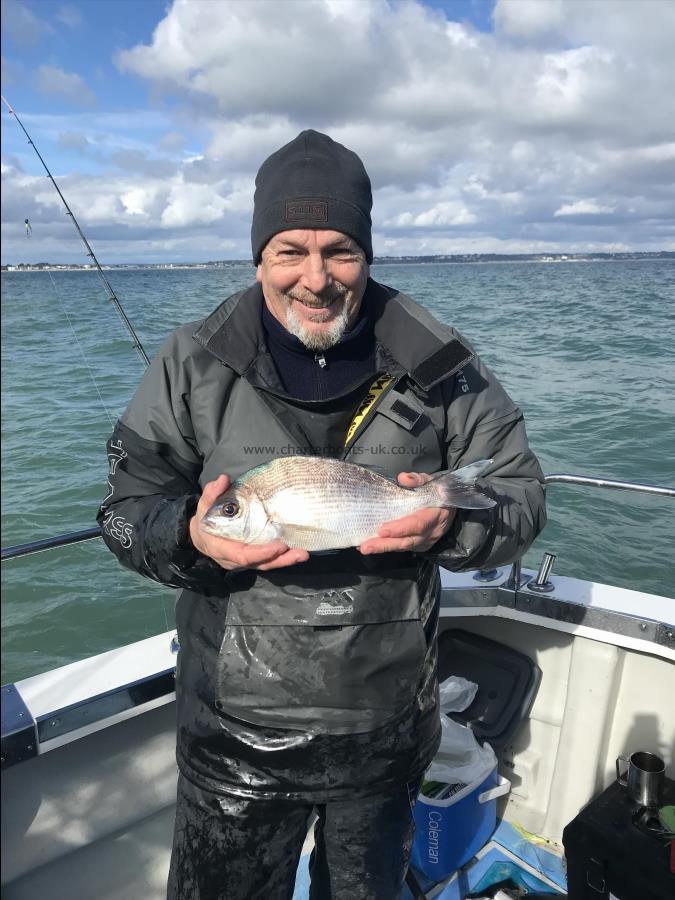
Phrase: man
{"type": "Point", "coordinates": [309, 683]}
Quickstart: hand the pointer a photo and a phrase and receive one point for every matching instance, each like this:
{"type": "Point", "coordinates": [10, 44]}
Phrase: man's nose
{"type": "Point", "coordinates": [315, 275]}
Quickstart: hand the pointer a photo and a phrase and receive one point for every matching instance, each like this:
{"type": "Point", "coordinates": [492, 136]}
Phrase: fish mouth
{"type": "Point", "coordinates": [209, 524]}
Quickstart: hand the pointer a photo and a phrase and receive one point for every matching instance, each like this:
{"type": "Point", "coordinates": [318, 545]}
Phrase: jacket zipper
{"type": "Point", "coordinates": [321, 362]}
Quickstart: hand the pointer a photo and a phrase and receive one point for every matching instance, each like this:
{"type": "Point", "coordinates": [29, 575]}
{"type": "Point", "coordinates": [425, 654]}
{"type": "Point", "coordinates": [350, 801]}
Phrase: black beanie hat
{"type": "Point", "coordinates": [313, 182]}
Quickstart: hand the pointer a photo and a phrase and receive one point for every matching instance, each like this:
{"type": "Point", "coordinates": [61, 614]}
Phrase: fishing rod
{"type": "Point", "coordinates": [111, 294]}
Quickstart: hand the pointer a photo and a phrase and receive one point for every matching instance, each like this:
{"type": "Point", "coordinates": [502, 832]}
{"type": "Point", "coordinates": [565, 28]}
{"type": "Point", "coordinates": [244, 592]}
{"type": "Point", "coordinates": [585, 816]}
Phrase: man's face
{"type": "Point", "coordinates": [313, 283]}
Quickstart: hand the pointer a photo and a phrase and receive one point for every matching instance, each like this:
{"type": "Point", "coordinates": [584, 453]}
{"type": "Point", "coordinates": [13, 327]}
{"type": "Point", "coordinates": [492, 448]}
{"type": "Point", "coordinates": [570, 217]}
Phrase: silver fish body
{"type": "Point", "coordinates": [317, 503]}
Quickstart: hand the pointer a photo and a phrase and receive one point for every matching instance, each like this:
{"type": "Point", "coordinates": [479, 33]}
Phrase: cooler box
{"type": "Point", "coordinates": [449, 832]}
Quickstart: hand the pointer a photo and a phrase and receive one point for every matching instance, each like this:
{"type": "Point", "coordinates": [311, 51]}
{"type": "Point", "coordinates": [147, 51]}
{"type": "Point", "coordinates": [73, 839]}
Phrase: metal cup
{"type": "Point", "coordinates": [643, 777]}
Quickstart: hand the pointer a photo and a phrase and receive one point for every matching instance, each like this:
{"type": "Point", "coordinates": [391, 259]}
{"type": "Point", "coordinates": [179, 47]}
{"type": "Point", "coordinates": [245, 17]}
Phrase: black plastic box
{"type": "Point", "coordinates": [507, 683]}
{"type": "Point", "coordinates": [614, 849]}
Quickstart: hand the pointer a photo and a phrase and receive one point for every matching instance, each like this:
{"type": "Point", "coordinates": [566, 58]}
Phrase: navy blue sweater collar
{"type": "Point", "coordinates": [308, 375]}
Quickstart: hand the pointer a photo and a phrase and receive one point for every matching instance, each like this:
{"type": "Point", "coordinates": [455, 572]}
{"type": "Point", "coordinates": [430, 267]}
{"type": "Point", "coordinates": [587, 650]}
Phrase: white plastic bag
{"type": "Point", "coordinates": [460, 758]}
{"type": "Point", "coordinates": [456, 693]}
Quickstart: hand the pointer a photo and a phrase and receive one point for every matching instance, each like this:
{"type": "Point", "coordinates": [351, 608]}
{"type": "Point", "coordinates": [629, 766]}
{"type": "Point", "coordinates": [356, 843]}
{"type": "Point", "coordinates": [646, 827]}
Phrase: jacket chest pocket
{"type": "Point", "coordinates": [342, 661]}
{"type": "Point", "coordinates": [400, 437]}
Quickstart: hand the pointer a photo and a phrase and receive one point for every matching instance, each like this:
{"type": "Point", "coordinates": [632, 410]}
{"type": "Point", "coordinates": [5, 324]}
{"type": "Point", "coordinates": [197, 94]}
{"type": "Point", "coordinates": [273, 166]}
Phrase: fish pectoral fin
{"type": "Point", "coordinates": [309, 535]}
{"type": "Point", "coordinates": [308, 529]}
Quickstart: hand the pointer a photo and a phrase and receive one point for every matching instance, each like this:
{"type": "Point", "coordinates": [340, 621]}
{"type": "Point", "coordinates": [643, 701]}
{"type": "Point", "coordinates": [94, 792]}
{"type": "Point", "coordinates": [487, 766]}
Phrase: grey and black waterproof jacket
{"type": "Point", "coordinates": [316, 681]}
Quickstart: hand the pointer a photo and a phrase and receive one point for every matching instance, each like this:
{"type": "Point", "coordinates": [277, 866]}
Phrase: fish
{"type": "Point", "coordinates": [318, 503]}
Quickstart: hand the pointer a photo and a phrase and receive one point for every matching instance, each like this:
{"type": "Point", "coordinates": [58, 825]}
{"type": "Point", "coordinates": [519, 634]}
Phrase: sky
{"type": "Point", "coordinates": [487, 126]}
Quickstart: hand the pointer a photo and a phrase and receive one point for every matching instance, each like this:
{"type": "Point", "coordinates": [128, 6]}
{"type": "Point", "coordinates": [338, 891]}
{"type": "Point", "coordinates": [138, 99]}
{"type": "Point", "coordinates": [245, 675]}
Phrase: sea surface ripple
{"type": "Point", "coordinates": [584, 348]}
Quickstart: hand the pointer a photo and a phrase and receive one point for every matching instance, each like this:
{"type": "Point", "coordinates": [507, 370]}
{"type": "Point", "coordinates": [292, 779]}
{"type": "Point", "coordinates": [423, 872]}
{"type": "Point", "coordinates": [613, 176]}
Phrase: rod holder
{"type": "Point", "coordinates": [486, 575]}
{"type": "Point", "coordinates": [541, 584]}
{"type": "Point", "coordinates": [515, 575]}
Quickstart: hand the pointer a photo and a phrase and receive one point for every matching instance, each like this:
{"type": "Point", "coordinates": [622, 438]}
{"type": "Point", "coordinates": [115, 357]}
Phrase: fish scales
{"type": "Point", "coordinates": [319, 503]}
{"type": "Point", "coordinates": [345, 503]}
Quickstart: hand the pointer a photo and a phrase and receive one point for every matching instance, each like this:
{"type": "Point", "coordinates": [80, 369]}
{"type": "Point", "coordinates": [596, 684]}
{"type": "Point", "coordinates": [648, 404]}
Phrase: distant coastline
{"type": "Point", "coordinates": [379, 260]}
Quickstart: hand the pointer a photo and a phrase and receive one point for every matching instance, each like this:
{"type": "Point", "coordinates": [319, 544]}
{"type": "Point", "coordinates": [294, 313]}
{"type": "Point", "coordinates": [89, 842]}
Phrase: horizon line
{"type": "Point", "coordinates": [411, 257]}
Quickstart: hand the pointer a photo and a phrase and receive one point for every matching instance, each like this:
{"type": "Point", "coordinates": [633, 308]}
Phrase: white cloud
{"type": "Point", "coordinates": [190, 204]}
{"type": "Point", "coordinates": [529, 18]}
{"type": "Point", "coordinates": [238, 56]}
{"type": "Point", "coordinates": [53, 80]}
{"type": "Point", "coordinates": [140, 201]}
{"type": "Point", "coordinates": [405, 65]}
{"type": "Point", "coordinates": [583, 208]}
{"type": "Point", "coordinates": [445, 213]}
{"type": "Point", "coordinates": [556, 131]}
{"type": "Point", "coordinates": [623, 25]}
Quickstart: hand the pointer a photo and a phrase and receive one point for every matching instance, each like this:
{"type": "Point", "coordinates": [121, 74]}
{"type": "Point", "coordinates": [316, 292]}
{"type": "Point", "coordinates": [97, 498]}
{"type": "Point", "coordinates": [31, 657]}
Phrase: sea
{"type": "Point", "coordinates": [584, 348]}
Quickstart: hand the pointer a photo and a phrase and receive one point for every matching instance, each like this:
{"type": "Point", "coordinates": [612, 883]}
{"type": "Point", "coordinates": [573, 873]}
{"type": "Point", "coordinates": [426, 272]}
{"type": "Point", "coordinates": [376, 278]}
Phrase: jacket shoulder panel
{"type": "Point", "coordinates": [160, 409]}
{"type": "Point", "coordinates": [428, 349]}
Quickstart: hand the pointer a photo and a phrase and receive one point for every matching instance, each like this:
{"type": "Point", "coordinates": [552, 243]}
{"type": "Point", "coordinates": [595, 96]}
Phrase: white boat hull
{"type": "Point", "coordinates": [90, 816]}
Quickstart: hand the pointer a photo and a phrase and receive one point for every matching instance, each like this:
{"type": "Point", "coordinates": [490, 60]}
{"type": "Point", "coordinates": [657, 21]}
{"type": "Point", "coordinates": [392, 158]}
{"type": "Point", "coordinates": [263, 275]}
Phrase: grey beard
{"type": "Point", "coordinates": [318, 340]}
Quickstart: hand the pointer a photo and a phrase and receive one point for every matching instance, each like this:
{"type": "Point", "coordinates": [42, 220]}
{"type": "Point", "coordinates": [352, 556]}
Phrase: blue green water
{"type": "Point", "coordinates": [586, 349]}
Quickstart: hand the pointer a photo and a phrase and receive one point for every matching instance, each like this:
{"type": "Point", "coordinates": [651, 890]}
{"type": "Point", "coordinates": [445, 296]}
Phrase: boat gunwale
{"type": "Point", "coordinates": [140, 676]}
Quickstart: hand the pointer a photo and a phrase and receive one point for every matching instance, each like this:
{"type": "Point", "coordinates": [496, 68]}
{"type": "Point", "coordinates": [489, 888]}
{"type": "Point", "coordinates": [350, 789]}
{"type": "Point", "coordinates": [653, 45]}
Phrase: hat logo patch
{"type": "Point", "coordinates": [304, 210]}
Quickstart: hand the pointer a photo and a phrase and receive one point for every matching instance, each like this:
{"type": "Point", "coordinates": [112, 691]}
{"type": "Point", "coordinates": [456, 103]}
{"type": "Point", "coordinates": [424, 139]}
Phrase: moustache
{"type": "Point", "coordinates": [325, 298]}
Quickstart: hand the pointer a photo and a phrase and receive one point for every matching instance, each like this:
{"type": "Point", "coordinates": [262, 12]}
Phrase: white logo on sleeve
{"type": "Point", "coordinates": [115, 456]}
{"type": "Point", "coordinates": [119, 529]}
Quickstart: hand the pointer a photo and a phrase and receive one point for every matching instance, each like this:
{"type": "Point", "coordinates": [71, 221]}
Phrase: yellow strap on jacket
{"type": "Point", "coordinates": [380, 384]}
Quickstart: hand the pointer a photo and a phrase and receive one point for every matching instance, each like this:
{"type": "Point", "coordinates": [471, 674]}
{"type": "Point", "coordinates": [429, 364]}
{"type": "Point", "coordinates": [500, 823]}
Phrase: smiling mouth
{"type": "Point", "coordinates": [324, 304]}
{"type": "Point", "coordinates": [321, 310]}
{"type": "Point", "coordinates": [318, 302]}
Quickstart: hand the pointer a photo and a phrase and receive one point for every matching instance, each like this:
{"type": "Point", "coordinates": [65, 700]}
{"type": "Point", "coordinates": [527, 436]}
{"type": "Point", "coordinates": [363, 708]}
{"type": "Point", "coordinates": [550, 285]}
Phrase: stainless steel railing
{"type": "Point", "coordinates": [88, 534]}
{"type": "Point", "coordinates": [610, 485]}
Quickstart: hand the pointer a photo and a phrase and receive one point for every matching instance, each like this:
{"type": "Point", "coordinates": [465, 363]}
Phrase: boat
{"type": "Point", "coordinates": [88, 749]}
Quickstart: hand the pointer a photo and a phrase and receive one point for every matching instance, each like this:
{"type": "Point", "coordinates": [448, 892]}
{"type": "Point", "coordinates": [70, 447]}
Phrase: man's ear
{"type": "Point", "coordinates": [258, 273]}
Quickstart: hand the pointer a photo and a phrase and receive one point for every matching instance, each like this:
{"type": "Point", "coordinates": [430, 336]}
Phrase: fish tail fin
{"type": "Point", "coordinates": [459, 488]}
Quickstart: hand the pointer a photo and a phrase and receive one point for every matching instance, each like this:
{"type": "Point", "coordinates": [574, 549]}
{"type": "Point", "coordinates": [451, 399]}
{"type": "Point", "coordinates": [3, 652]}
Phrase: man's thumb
{"type": "Point", "coordinates": [213, 490]}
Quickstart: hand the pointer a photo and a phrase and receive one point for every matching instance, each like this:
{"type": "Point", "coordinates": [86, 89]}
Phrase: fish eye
{"type": "Point", "coordinates": [230, 508]}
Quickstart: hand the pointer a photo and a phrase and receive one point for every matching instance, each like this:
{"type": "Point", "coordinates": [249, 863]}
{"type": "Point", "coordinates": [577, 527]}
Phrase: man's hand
{"type": "Point", "coordinates": [417, 532]}
{"type": "Point", "coordinates": [233, 554]}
